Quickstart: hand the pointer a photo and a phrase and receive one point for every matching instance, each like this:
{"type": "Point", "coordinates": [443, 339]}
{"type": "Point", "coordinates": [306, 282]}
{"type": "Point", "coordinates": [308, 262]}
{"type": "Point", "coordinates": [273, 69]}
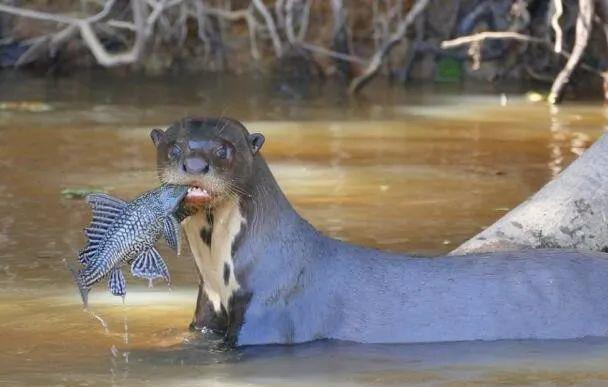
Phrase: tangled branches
{"type": "Point", "coordinates": [584, 21]}
{"type": "Point", "coordinates": [284, 27]}
{"type": "Point", "coordinates": [357, 39]}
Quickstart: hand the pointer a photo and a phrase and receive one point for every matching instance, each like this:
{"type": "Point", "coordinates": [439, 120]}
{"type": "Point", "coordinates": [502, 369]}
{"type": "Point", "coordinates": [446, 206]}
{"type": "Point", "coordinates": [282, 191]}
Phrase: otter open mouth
{"type": "Point", "coordinates": [197, 196]}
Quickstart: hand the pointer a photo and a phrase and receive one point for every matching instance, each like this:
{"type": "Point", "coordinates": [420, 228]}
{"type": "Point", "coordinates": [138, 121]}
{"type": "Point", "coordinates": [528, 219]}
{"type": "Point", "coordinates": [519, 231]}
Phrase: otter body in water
{"type": "Point", "coordinates": [267, 276]}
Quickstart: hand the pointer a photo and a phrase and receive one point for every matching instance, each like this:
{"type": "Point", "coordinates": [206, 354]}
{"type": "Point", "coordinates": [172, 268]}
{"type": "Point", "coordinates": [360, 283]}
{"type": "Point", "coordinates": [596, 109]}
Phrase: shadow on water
{"type": "Point", "coordinates": [342, 363]}
{"type": "Point", "coordinates": [419, 171]}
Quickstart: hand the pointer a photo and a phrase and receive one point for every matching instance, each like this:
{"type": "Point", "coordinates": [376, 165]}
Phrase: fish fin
{"type": "Point", "coordinates": [86, 254]}
{"type": "Point", "coordinates": [105, 209]}
{"type": "Point", "coordinates": [103, 199]}
{"type": "Point", "coordinates": [150, 265]}
{"type": "Point", "coordinates": [116, 283]}
{"type": "Point", "coordinates": [172, 233]}
{"type": "Point", "coordinates": [84, 291]}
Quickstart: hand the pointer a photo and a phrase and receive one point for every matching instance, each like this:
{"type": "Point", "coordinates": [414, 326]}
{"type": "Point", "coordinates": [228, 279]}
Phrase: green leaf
{"type": "Point", "coordinates": [448, 70]}
{"type": "Point", "coordinates": [80, 192]}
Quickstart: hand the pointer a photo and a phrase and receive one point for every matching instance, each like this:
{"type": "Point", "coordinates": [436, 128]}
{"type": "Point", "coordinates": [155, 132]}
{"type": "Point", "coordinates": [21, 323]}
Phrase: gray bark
{"type": "Point", "coordinates": [569, 212]}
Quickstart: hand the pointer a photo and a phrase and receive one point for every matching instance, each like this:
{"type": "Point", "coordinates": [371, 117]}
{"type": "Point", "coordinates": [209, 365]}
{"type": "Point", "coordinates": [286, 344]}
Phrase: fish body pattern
{"type": "Point", "coordinates": [123, 233]}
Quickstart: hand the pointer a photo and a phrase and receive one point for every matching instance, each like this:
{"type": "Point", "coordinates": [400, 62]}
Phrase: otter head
{"type": "Point", "coordinates": [212, 156]}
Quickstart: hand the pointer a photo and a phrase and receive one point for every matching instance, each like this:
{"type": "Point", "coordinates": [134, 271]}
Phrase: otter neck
{"type": "Point", "coordinates": [216, 233]}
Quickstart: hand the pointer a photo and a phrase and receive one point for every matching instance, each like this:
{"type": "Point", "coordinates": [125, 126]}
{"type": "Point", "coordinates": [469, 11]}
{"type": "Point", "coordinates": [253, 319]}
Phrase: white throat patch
{"type": "Point", "coordinates": [214, 261]}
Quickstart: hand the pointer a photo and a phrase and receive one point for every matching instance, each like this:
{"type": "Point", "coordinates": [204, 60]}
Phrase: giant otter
{"type": "Point", "coordinates": [267, 276]}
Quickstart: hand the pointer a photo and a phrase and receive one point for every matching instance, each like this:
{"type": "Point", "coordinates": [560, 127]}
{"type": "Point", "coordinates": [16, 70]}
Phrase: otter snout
{"type": "Point", "coordinates": [195, 165]}
{"type": "Point", "coordinates": [214, 157]}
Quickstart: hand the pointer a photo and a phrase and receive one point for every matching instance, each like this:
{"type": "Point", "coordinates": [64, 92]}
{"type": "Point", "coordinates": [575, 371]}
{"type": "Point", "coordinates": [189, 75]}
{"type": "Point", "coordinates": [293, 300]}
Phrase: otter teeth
{"type": "Point", "coordinates": [197, 192]}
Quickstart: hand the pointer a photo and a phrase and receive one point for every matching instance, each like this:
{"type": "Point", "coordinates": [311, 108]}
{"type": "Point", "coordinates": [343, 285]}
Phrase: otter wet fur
{"type": "Point", "coordinates": [125, 233]}
{"type": "Point", "coordinates": [268, 277]}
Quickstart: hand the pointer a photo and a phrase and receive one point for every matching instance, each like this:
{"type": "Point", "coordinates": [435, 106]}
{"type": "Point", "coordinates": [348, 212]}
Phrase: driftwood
{"type": "Point", "coordinates": [569, 212]}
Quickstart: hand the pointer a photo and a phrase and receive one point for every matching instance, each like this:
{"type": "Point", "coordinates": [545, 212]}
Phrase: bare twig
{"type": "Point", "coordinates": [122, 25]}
{"type": "Point", "coordinates": [479, 37]}
{"type": "Point", "coordinates": [332, 54]}
{"type": "Point", "coordinates": [37, 15]}
{"type": "Point", "coordinates": [583, 31]}
{"type": "Point", "coordinates": [289, 27]}
{"type": "Point", "coordinates": [86, 31]}
{"type": "Point", "coordinates": [228, 15]}
{"type": "Point", "coordinates": [298, 40]}
{"type": "Point", "coordinates": [489, 35]}
{"type": "Point", "coordinates": [105, 58]}
{"type": "Point", "coordinates": [279, 6]}
{"type": "Point", "coordinates": [245, 14]}
{"type": "Point", "coordinates": [251, 25]}
{"type": "Point", "coordinates": [559, 10]}
{"type": "Point", "coordinates": [304, 20]}
{"type": "Point", "coordinates": [272, 29]}
{"type": "Point", "coordinates": [201, 19]}
{"type": "Point", "coordinates": [395, 38]}
{"type": "Point", "coordinates": [289, 24]}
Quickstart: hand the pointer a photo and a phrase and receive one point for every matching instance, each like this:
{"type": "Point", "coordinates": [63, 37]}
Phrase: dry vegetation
{"type": "Point", "coordinates": [544, 40]}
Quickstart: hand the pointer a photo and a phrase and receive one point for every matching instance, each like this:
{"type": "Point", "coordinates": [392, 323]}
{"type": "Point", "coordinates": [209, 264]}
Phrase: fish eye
{"type": "Point", "coordinates": [174, 152]}
{"type": "Point", "coordinates": [221, 152]}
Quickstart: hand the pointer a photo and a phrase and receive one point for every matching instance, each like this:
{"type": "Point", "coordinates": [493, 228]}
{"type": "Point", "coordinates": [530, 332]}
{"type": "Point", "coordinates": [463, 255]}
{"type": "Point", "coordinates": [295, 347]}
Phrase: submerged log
{"type": "Point", "coordinates": [569, 212]}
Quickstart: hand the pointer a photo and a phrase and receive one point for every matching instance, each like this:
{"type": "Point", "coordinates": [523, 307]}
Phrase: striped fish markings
{"type": "Point", "coordinates": [122, 233]}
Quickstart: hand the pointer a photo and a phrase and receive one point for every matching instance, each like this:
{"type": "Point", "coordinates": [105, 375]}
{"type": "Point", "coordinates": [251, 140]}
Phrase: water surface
{"type": "Point", "coordinates": [416, 171]}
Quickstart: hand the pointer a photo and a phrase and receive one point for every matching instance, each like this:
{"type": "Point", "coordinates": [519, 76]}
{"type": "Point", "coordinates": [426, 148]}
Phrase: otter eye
{"type": "Point", "coordinates": [174, 152]}
{"type": "Point", "coordinates": [221, 152]}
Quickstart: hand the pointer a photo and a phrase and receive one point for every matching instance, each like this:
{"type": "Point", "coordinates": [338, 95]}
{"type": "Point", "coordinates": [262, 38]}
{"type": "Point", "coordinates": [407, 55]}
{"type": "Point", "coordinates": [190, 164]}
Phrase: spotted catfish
{"type": "Point", "coordinates": [123, 233]}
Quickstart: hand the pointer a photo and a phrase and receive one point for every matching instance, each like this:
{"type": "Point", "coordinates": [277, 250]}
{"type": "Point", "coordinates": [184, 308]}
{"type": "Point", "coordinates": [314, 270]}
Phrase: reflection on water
{"type": "Point", "coordinates": [419, 171]}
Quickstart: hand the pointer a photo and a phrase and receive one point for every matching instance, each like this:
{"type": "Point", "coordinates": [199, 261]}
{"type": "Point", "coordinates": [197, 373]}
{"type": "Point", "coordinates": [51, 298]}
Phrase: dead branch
{"type": "Point", "coordinates": [272, 29]}
{"type": "Point", "coordinates": [85, 26]}
{"type": "Point", "coordinates": [166, 22]}
{"type": "Point", "coordinates": [332, 54]}
{"type": "Point", "coordinates": [304, 20]}
{"type": "Point", "coordinates": [396, 37]}
{"type": "Point", "coordinates": [583, 31]}
{"type": "Point", "coordinates": [463, 40]}
{"type": "Point", "coordinates": [37, 15]}
{"type": "Point", "coordinates": [479, 37]}
{"type": "Point", "coordinates": [245, 14]}
{"type": "Point", "coordinates": [559, 10]}
{"type": "Point", "coordinates": [107, 59]}
{"type": "Point", "coordinates": [297, 39]}
{"type": "Point", "coordinates": [289, 27]}
{"type": "Point", "coordinates": [201, 20]}
{"type": "Point", "coordinates": [279, 9]}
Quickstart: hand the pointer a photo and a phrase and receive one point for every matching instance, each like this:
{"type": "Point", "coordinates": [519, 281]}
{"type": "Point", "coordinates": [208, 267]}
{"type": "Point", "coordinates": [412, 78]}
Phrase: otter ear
{"type": "Point", "coordinates": [157, 135]}
{"type": "Point", "coordinates": [256, 140]}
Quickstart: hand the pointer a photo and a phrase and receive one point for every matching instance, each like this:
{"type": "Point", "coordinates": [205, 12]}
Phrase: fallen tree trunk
{"type": "Point", "coordinates": [569, 212]}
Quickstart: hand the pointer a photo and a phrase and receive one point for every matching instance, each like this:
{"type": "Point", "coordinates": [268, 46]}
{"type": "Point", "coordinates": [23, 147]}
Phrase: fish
{"type": "Point", "coordinates": [125, 233]}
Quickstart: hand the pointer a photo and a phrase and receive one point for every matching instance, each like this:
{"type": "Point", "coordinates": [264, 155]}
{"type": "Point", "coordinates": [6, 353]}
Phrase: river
{"type": "Point", "coordinates": [415, 170]}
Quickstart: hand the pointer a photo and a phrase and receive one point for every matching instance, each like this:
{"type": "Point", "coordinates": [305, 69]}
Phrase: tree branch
{"type": "Point", "coordinates": [376, 60]}
{"type": "Point", "coordinates": [107, 59]}
{"type": "Point", "coordinates": [272, 29]}
{"type": "Point", "coordinates": [583, 31]}
{"type": "Point", "coordinates": [559, 10]}
{"type": "Point", "coordinates": [461, 41]}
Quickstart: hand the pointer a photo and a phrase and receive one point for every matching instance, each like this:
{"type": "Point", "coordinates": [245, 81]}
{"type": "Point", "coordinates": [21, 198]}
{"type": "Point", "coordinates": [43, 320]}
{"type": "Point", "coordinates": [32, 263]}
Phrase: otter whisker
{"type": "Point", "coordinates": [236, 189]}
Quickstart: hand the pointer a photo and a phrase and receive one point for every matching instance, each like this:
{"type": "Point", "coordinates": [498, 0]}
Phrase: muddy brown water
{"type": "Point", "coordinates": [416, 171]}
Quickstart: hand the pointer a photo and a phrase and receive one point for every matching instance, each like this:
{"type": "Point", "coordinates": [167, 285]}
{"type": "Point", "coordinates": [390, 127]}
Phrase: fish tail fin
{"type": "Point", "coordinates": [84, 293]}
{"type": "Point", "coordinates": [82, 288]}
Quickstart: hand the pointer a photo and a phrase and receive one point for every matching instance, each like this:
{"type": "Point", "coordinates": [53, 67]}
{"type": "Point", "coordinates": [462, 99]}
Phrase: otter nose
{"type": "Point", "coordinates": [196, 165]}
